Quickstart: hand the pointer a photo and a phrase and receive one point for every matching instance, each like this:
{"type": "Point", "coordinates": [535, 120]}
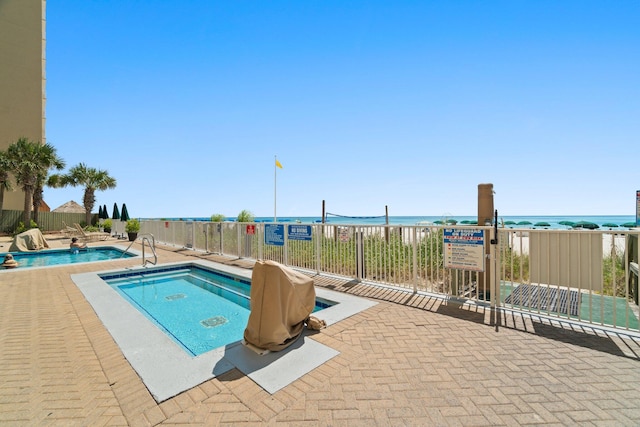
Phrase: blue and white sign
{"type": "Point", "coordinates": [274, 234]}
{"type": "Point", "coordinates": [299, 232]}
{"type": "Point", "coordinates": [464, 248]}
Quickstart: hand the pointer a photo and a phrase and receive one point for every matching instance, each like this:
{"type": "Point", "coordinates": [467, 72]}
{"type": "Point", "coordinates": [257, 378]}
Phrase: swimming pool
{"type": "Point", "coordinates": [200, 309]}
{"type": "Point", "coordinates": [167, 369]}
{"type": "Point", "coordinates": [55, 257]}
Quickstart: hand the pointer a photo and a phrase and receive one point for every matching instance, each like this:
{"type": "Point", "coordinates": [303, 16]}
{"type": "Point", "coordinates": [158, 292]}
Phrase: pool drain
{"type": "Point", "coordinates": [212, 322]}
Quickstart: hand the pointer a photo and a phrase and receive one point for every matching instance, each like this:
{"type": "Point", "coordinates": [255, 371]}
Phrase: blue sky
{"type": "Point", "coordinates": [367, 104]}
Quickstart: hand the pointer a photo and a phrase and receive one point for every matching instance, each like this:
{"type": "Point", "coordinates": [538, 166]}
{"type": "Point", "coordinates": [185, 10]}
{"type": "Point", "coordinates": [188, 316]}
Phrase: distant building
{"type": "Point", "coordinates": [22, 78]}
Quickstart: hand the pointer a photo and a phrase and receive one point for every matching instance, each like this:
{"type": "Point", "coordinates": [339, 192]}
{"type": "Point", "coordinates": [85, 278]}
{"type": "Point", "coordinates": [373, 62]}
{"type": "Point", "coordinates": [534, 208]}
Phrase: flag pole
{"type": "Point", "coordinates": [275, 173]}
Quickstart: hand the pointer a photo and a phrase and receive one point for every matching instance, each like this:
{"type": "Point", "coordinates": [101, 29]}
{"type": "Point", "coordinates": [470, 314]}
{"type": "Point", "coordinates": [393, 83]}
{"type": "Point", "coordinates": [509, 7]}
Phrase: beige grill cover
{"type": "Point", "coordinates": [30, 240]}
{"type": "Point", "coordinates": [281, 300]}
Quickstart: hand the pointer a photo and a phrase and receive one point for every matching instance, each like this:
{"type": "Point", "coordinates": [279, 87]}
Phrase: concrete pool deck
{"type": "Point", "coordinates": [408, 360]}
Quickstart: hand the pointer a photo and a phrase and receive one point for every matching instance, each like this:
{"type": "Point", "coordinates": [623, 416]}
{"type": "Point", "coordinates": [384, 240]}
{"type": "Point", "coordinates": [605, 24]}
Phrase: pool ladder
{"type": "Point", "coordinates": [145, 241]}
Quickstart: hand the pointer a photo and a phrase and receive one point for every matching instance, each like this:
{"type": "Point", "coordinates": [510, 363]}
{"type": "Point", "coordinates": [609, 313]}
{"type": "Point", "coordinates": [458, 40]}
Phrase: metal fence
{"type": "Point", "coordinates": [579, 275]}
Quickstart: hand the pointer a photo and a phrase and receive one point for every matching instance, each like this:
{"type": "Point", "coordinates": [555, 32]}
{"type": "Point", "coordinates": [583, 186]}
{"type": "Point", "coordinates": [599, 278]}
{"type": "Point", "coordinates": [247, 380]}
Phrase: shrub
{"type": "Point", "coordinates": [245, 216]}
{"type": "Point", "coordinates": [133, 226]}
{"type": "Point", "coordinates": [107, 224]}
{"type": "Point", "coordinates": [21, 228]}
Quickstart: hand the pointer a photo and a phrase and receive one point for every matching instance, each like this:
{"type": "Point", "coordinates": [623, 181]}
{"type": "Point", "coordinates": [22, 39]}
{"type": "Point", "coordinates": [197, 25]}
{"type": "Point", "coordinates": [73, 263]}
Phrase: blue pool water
{"type": "Point", "coordinates": [53, 257]}
{"type": "Point", "coordinates": [199, 309]}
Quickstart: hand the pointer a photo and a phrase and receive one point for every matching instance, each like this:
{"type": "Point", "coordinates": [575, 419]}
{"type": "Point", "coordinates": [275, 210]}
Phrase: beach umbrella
{"type": "Point", "coordinates": [542, 224]}
{"type": "Point", "coordinates": [100, 212]}
{"type": "Point", "coordinates": [116, 212]}
{"type": "Point", "coordinates": [567, 223]}
{"type": "Point", "coordinates": [610, 225]}
{"type": "Point", "coordinates": [586, 225]}
{"type": "Point", "coordinates": [452, 221]}
{"type": "Point", "coordinates": [105, 212]}
{"type": "Point", "coordinates": [524, 223]}
{"type": "Point", "coordinates": [124, 216]}
{"type": "Point", "coordinates": [509, 223]}
{"type": "Point", "coordinates": [438, 222]}
{"type": "Point", "coordinates": [628, 224]}
{"type": "Point", "coordinates": [465, 221]}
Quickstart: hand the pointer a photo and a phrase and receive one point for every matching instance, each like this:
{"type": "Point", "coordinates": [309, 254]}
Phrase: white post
{"type": "Point", "coordinates": [275, 173]}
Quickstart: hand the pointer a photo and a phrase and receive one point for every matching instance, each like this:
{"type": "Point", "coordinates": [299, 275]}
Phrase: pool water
{"type": "Point", "coordinates": [54, 257]}
{"type": "Point", "coordinates": [199, 309]}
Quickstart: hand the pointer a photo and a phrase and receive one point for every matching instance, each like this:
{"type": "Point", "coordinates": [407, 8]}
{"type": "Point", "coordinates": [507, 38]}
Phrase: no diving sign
{"type": "Point", "coordinates": [299, 232]}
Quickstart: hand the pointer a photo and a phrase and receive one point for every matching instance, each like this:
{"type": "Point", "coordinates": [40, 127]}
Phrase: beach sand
{"type": "Point", "coordinates": [520, 241]}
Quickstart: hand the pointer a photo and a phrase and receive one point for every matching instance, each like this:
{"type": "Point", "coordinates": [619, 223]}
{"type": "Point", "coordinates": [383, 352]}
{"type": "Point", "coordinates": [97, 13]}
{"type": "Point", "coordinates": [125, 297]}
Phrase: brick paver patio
{"type": "Point", "coordinates": [410, 360]}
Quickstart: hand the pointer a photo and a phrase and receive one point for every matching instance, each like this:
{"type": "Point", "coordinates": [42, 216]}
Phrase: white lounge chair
{"type": "Point", "coordinates": [69, 232]}
{"type": "Point", "coordinates": [92, 236]}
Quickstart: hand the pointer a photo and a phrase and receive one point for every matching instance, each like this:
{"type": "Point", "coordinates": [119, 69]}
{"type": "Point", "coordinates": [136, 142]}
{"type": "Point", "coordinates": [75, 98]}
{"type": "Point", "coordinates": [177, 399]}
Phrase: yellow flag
{"type": "Point", "coordinates": [278, 164]}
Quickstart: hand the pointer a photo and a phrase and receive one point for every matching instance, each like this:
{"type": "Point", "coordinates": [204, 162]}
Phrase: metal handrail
{"type": "Point", "coordinates": [152, 246]}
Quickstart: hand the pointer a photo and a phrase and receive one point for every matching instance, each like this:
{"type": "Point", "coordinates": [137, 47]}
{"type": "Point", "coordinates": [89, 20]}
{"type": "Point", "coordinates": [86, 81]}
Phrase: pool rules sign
{"type": "Point", "coordinates": [464, 248]}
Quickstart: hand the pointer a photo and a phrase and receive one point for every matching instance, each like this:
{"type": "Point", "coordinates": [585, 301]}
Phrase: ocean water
{"type": "Point", "coordinates": [552, 220]}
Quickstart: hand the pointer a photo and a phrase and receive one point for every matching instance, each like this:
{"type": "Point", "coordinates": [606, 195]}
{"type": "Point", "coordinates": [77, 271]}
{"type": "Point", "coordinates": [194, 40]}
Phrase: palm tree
{"type": "Point", "coordinates": [54, 162]}
{"type": "Point", "coordinates": [5, 181]}
{"type": "Point", "coordinates": [91, 179]}
{"type": "Point", "coordinates": [30, 162]}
